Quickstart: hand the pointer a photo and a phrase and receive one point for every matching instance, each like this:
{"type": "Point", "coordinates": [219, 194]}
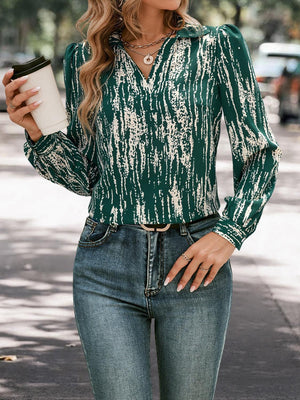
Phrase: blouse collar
{"type": "Point", "coordinates": [189, 30]}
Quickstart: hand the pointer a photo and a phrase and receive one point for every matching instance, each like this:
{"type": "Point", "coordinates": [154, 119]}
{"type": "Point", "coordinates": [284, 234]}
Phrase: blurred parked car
{"type": "Point", "coordinates": [287, 90]}
{"type": "Point", "coordinates": [271, 59]}
{"type": "Point", "coordinates": [6, 61]}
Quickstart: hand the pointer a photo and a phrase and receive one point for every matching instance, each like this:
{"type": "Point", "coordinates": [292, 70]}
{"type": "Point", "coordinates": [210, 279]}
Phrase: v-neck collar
{"type": "Point", "coordinates": [154, 64]}
{"type": "Point", "coordinates": [189, 30]}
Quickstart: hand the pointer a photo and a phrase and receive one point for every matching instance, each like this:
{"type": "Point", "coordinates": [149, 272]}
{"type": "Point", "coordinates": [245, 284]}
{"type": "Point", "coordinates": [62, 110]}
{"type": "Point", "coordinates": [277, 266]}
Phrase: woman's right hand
{"type": "Point", "coordinates": [18, 111]}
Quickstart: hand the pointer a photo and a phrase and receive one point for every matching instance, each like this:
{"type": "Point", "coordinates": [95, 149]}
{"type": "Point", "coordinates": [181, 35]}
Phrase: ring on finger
{"type": "Point", "coordinates": [12, 106]}
{"type": "Point", "coordinates": [186, 257]}
{"type": "Point", "coordinates": [204, 269]}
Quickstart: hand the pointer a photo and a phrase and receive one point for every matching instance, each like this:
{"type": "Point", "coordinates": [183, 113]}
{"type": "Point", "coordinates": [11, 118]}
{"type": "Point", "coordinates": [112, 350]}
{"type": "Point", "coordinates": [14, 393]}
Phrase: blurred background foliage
{"type": "Point", "coordinates": [46, 28]}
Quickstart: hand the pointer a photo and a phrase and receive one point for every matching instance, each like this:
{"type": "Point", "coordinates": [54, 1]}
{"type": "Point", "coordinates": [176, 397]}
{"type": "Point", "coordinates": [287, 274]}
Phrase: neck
{"type": "Point", "coordinates": [151, 22]}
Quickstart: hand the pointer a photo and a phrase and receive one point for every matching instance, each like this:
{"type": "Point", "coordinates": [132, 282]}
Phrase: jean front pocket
{"type": "Point", "coordinates": [197, 230]}
{"type": "Point", "coordinates": [94, 233]}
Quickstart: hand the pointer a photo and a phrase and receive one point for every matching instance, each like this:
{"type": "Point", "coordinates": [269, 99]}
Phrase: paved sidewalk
{"type": "Point", "coordinates": [40, 224]}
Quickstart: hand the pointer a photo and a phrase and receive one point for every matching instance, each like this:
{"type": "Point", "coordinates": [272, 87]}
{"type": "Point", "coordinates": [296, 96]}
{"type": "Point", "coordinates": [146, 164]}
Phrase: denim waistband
{"type": "Point", "coordinates": [177, 224]}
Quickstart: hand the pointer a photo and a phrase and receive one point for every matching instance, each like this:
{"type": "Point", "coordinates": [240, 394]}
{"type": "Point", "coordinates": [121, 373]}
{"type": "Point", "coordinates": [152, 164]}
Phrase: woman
{"type": "Point", "coordinates": [145, 93]}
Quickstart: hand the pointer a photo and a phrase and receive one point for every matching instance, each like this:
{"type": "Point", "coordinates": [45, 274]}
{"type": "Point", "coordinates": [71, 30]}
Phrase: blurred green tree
{"type": "Point", "coordinates": [46, 27]}
{"type": "Point", "coordinates": [26, 18]}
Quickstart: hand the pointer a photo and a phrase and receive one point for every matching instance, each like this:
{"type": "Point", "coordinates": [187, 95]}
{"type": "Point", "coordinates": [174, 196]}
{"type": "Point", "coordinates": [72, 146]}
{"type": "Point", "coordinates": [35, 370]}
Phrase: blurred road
{"type": "Point", "coordinates": [40, 225]}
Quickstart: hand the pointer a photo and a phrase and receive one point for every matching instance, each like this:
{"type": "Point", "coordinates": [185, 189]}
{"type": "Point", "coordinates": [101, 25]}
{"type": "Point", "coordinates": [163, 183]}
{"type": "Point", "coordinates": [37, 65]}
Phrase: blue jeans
{"type": "Point", "coordinates": [118, 278]}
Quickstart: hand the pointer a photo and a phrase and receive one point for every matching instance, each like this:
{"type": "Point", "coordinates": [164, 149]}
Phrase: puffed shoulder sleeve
{"type": "Point", "coordinates": [68, 159]}
{"type": "Point", "coordinates": [255, 152]}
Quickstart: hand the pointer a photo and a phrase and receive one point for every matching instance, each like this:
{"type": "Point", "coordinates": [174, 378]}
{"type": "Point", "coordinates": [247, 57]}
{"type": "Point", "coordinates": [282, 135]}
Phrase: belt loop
{"type": "Point", "coordinates": [182, 228]}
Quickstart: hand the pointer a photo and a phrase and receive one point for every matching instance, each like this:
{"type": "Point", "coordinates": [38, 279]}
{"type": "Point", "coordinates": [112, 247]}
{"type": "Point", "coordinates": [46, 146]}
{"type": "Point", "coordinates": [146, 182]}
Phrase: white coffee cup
{"type": "Point", "coordinates": [50, 116]}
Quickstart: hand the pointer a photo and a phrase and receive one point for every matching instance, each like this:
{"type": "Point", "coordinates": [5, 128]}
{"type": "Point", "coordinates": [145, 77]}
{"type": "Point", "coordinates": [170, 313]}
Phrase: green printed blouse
{"type": "Point", "coordinates": [153, 157]}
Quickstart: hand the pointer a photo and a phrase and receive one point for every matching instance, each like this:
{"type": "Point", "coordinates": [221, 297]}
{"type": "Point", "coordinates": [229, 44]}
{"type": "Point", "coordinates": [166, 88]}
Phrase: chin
{"type": "Point", "coordinates": [169, 5]}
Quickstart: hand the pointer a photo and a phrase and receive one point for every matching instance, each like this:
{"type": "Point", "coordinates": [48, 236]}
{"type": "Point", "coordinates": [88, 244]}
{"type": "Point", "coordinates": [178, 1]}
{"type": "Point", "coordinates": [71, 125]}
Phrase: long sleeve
{"type": "Point", "coordinates": [255, 152]}
{"type": "Point", "coordinates": [67, 159]}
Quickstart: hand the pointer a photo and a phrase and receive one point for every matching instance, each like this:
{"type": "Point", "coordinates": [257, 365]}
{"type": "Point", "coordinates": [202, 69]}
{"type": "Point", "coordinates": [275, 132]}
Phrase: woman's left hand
{"type": "Point", "coordinates": [209, 252]}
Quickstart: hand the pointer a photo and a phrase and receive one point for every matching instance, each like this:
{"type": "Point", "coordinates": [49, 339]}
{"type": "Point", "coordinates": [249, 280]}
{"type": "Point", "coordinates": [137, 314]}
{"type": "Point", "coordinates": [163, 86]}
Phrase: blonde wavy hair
{"type": "Point", "coordinates": [101, 18]}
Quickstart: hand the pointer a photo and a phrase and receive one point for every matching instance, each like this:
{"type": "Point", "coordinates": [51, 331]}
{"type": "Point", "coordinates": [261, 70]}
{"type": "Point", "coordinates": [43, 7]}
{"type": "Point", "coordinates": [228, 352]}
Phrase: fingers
{"type": "Point", "coordinates": [206, 265]}
{"type": "Point", "coordinates": [203, 264]}
{"type": "Point", "coordinates": [190, 270]}
{"type": "Point", "coordinates": [7, 76]}
{"type": "Point", "coordinates": [204, 271]}
{"type": "Point", "coordinates": [12, 87]}
{"type": "Point", "coordinates": [211, 275]}
{"type": "Point", "coordinates": [207, 255]}
{"type": "Point", "coordinates": [18, 115]}
{"type": "Point", "coordinates": [16, 101]}
{"type": "Point", "coordinates": [209, 265]}
{"type": "Point", "coordinates": [20, 98]}
{"type": "Point", "coordinates": [178, 265]}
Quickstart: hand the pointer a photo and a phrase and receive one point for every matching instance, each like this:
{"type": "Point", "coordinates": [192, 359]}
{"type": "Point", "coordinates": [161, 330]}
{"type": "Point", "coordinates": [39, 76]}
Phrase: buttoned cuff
{"type": "Point", "coordinates": [44, 144]}
{"type": "Point", "coordinates": [228, 229]}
